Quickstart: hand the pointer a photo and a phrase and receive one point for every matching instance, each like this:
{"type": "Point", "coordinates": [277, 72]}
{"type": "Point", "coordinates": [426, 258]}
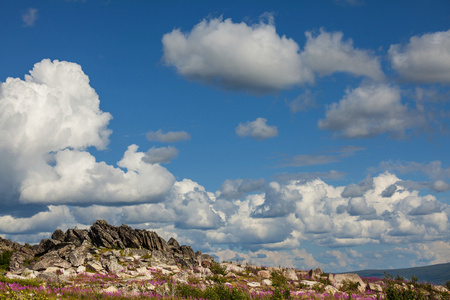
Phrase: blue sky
{"type": "Point", "coordinates": [297, 133]}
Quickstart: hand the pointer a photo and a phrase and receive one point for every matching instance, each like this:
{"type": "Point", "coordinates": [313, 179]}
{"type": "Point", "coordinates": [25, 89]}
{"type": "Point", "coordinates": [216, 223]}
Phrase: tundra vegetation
{"type": "Point", "coordinates": [79, 265]}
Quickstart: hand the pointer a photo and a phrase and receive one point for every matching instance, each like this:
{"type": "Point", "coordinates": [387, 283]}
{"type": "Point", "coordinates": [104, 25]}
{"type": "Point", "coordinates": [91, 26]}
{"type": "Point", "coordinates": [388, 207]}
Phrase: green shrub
{"type": "Point", "coordinates": [280, 283]}
{"type": "Point", "coordinates": [348, 286]}
{"type": "Point", "coordinates": [5, 259]}
{"type": "Point", "coordinates": [278, 279]}
{"type": "Point", "coordinates": [396, 292]}
{"type": "Point", "coordinates": [217, 269]}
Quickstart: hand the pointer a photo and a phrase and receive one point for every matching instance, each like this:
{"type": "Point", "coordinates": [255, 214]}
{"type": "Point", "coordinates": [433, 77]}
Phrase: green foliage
{"type": "Point", "coordinates": [397, 292]}
{"type": "Point", "coordinates": [5, 259]}
{"type": "Point", "coordinates": [217, 269]}
{"type": "Point", "coordinates": [319, 288]}
{"type": "Point", "coordinates": [447, 285]}
{"type": "Point", "coordinates": [216, 292]}
{"type": "Point", "coordinates": [217, 278]}
{"type": "Point", "coordinates": [281, 285]}
{"type": "Point", "coordinates": [414, 279]}
{"type": "Point", "coordinates": [348, 286]}
{"type": "Point", "coordinates": [278, 279]}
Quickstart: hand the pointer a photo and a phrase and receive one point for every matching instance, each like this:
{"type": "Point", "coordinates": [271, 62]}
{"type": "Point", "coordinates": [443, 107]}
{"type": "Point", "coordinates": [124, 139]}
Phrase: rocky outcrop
{"type": "Point", "coordinates": [76, 247]}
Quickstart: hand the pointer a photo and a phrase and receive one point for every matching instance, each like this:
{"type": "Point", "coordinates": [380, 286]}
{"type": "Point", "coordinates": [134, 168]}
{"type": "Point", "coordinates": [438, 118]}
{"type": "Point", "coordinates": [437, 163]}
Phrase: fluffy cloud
{"type": "Point", "coordinates": [433, 169]}
{"type": "Point", "coordinates": [257, 129]}
{"type": "Point", "coordinates": [160, 155]}
{"type": "Point", "coordinates": [370, 110]}
{"type": "Point", "coordinates": [279, 219]}
{"type": "Point", "coordinates": [168, 137]}
{"type": "Point", "coordinates": [236, 56]}
{"type": "Point", "coordinates": [425, 59]}
{"type": "Point", "coordinates": [327, 53]}
{"type": "Point", "coordinates": [235, 189]}
{"type": "Point", "coordinates": [47, 122]}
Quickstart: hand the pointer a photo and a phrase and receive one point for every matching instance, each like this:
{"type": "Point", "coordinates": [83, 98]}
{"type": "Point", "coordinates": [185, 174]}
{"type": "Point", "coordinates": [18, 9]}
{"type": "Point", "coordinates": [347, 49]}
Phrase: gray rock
{"type": "Point", "coordinates": [290, 275]}
{"type": "Point", "coordinates": [79, 256]}
{"type": "Point", "coordinates": [51, 259]}
{"type": "Point", "coordinates": [112, 266]}
{"type": "Point", "coordinates": [59, 235]}
{"type": "Point", "coordinates": [95, 266]}
{"type": "Point", "coordinates": [46, 245]}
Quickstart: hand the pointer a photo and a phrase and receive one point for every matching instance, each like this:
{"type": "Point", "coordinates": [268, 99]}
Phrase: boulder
{"type": "Point", "coordinates": [51, 259]}
{"type": "Point", "coordinates": [58, 235]}
{"type": "Point", "coordinates": [253, 284]}
{"type": "Point", "coordinates": [266, 282]}
{"type": "Point", "coordinates": [315, 273]}
{"type": "Point", "coordinates": [21, 258]}
{"type": "Point", "coordinates": [112, 266]}
{"type": "Point", "coordinates": [233, 268]}
{"type": "Point", "coordinates": [79, 256]}
{"type": "Point", "coordinates": [338, 279]}
{"type": "Point", "coordinates": [264, 274]}
{"type": "Point", "coordinates": [46, 245]}
{"type": "Point", "coordinates": [290, 275]}
{"type": "Point", "coordinates": [374, 287]}
{"type": "Point", "coordinates": [95, 266]}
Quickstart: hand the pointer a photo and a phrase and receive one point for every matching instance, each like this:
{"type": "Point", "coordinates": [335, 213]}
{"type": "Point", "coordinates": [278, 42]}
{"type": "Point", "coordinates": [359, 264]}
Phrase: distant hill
{"type": "Point", "coordinates": [435, 274]}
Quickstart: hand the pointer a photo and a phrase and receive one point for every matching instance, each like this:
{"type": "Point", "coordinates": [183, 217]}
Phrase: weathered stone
{"type": "Point", "coordinates": [331, 289]}
{"type": "Point", "coordinates": [48, 276]}
{"type": "Point", "coordinates": [55, 270]}
{"type": "Point", "coordinates": [290, 275]}
{"type": "Point", "coordinates": [110, 290]}
{"type": "Point", "coordinates": [21, 258]}
{"type": "Point", "coordinates": [112, 266]}
{"type": "Point", "coordinates": [173, 243]}
{"type": "Point", "coordinates": [308, 283]}
{"type": "Point", "coordinates": [375, 287]}
{"type": "Point", "coordinates": [338, 279]}
{"type": "Point", "coordinates": [253, 284]}
{"type": "Point", "coordinates": [233, 268]}
{"type": "Point", "coordinates": [104, 235]}
{"type": "Point", "coordinates": [315, 273]}
{"type": "Point", "coordinates": [264, 274]}
{"type": "Point", "coordinates": [58, 235]}
{"type": "Point", "coordinates": [46, 245]}
{"type": "Point", "coordinates": [266, 282]}
{"type": "Point", "coordinates": [95, 266]}
{"type": "Point", "coordinates": [51, 260]}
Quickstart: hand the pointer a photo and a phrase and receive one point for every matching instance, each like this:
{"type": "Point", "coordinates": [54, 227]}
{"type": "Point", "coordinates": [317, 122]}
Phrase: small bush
{"type": "Point", "coordinates": [217, 269]}
{"type": "Point", "coordinates": [5, 259]}
{"type": "Point", "coordinates": [349, 286]}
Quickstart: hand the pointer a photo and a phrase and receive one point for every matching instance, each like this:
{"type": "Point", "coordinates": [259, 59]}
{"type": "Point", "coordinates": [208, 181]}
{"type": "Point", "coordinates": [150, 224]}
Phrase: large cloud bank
{"type": "Point", "coordinates": [47, 122]}
{"type": "Point", "coordinates": [255, 58]}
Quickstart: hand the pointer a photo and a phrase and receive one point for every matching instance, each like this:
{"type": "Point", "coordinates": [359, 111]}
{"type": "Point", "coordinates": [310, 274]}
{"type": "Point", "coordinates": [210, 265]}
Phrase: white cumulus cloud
{"type": "Point", "coordinates": [327, 53]}
{"type": "Point", "coordinates": [236, 56]}
{"type": "Point", "coordinates": [47, 122]}
{"type": "Point", "coordinates": [370, 110]}
{"type": "Point", "coordinates": [257, 129]}
{"type": "Point", "coordinates": [160, 155]}
{"type": "Point", "coordinates": [425, 59]}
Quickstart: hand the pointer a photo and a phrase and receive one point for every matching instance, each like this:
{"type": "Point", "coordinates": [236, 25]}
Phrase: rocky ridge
{"type": "Point", "coordinates": [141, 255]}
